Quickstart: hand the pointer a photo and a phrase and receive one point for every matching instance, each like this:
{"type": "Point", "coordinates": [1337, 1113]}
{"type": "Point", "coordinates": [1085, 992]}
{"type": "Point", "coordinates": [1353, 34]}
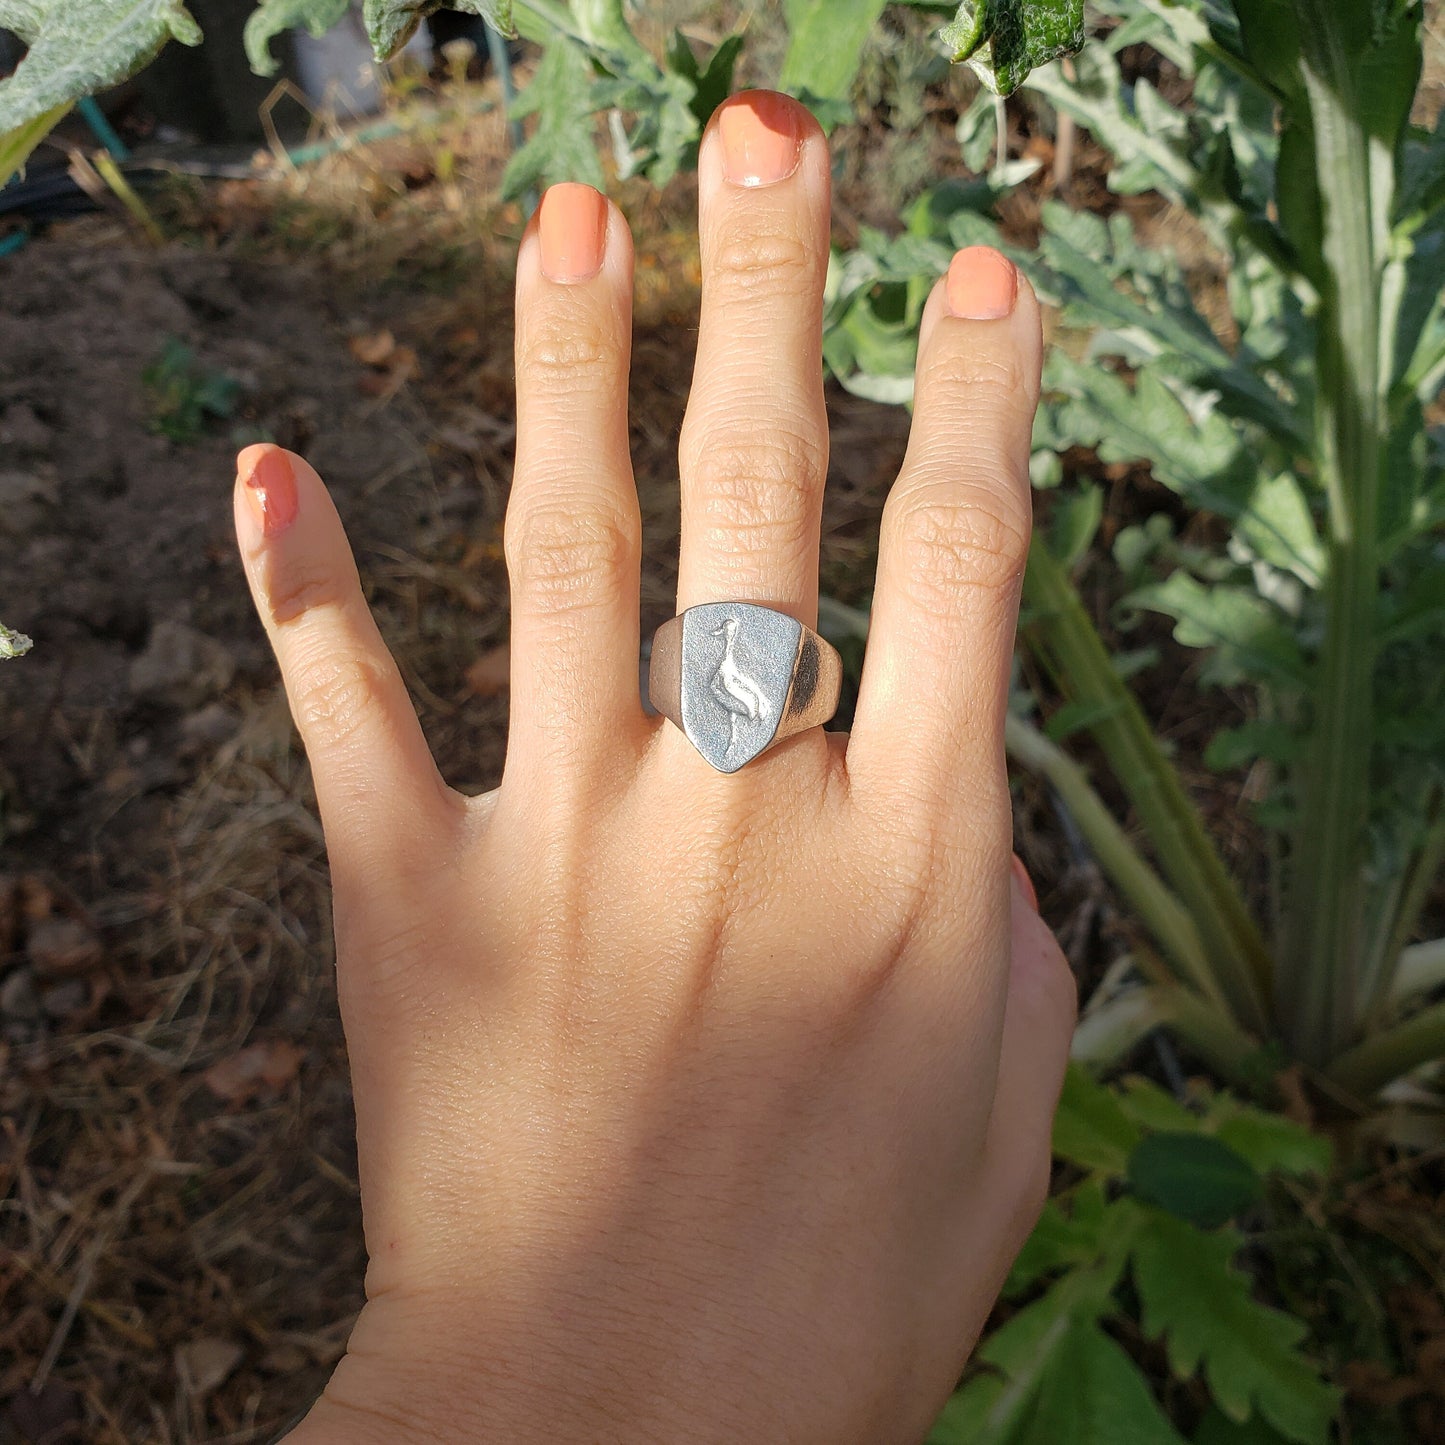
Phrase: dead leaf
{"type": "Point", "coordinates": [50, 1416]}
{"type": "Point", "coordinates": [203, 1364]}
{"type": "Point", "coordinates": [374, 349]}
{"type": "Point", "coordinates": [259, 1068]}
{"type": "Point", "coordinates": [61, 946]}
{"type": "Point", "coordinates": [491, 673]}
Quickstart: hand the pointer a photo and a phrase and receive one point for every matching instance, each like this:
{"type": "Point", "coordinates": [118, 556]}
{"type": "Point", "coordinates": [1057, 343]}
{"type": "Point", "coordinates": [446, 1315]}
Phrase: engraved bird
{"type": "Point", "coordinates": [732, 687]}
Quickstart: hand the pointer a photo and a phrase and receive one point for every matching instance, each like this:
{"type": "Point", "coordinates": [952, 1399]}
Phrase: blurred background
{"type": "Point", "coordinates": [202, 257]}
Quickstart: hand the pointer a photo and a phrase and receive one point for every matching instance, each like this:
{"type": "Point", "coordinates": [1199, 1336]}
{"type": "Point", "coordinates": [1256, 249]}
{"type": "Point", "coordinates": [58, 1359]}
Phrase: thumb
{"type": "Point", "coordinates": [1039, 1017]}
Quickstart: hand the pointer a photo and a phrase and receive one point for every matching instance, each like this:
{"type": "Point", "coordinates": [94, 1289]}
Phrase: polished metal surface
{"type": "Point", "coordinates": [738, 678]}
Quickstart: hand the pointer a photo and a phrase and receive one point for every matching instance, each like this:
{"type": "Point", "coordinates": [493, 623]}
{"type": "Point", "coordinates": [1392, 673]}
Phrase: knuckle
{"type": "Point", "coordinates": [763, 263]}
{"type": "Point", "coordinates": [291, 597]}
{"type": "Point", "coordinates": [758, 492]}
{"type": "Point", "coordinates": [990, 380]}
{"type": "Point", "coordinates": [952, 537]}
{"type": "Point", "coordinates": [564, 353]}
{"type": "Point", "coordinates": [561, 559]}
{"type": "Point", "coordinates": [338, 695]}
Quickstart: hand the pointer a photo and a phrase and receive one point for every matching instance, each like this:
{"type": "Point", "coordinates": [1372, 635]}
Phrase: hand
{"type": "Point", "coordinates": [690, 1106]}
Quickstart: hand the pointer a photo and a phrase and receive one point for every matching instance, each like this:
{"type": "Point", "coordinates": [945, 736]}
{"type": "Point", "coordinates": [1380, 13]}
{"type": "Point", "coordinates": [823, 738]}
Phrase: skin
{"type": "Point", "coordinates": [690, 1106]}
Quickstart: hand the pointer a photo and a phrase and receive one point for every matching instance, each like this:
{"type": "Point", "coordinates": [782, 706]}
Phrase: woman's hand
{"type": "Point", "coordinates": [690, 1106]}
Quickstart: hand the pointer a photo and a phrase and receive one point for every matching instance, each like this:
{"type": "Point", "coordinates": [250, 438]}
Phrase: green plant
{"type": "Point", "coordinates": [1306, 434]}
{"type": "Point", "coordinates": [1142, 1240]}
{"type": "Point", "coordinates": [184, 395]}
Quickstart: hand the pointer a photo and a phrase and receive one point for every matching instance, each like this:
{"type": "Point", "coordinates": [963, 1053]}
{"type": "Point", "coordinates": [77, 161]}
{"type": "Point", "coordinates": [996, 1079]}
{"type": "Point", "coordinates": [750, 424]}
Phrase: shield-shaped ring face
{"type": "Point", "coordinates": [737, 667]}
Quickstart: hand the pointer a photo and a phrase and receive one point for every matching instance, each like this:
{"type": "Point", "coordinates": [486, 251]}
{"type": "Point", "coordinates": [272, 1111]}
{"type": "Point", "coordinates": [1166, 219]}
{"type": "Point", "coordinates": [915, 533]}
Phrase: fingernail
{"type": "Point", "coordinates": [982, 284]}
{"type": "Point", "coordinates": [1025, 883]}
{"type": "Point", "coordinates": [271, 491]}
{"type": "Point", "coordinates": [572, 225]}
{"type": "Point", "coordinates": [761, 139]}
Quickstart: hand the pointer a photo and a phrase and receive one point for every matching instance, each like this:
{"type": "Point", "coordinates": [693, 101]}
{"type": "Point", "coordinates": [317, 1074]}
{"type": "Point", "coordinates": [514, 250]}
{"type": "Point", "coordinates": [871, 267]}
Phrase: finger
{"type": "Point", "coordinates": [754, 446]}
{"type": "Point", "coordinates": [1039, 1017]}
{"type": "Point", "coordinates": [573, 529]}
{"type": "Point", "coordinates": [954, 536]}
{"type": "Point", "coordinates": [373, 772]}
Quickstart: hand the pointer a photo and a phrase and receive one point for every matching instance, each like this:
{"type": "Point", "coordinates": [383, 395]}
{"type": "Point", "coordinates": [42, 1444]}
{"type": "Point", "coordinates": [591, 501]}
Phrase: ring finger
{"type": "Point", "coordinates": [754, 448]}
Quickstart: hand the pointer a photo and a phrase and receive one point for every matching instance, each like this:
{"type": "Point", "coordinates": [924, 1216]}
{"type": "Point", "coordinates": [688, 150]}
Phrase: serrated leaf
{"type": "Point", "coordinates": [1193, 1297]}
{"type": "Point", "coordinates": [1216, 1428]}
{"type": "Point", "coordinates": [1257, 738]}
{"type": "Point", "coordinates": [1074, 523]}
{"type": "Point", "coordinates": [1018, 36]}
{"type": "Point", "coordinates": [1090, 1127]}
{"type": "Point", "coordinates": [1193, 1177]}
{"type": "Point", "coordinates": [391, 23]}
{"type": "Point", "coordinates": [273, 17]}
{"type": "Point", "coordinates": [1151, 1107]}
{"type": "Point", "coordinates": [1246, 633]}
{"type": "Point", "coordinates": [1064, 1238]}
{"type": "Point", "coordinates": [1094, 1394]}
{"type": "Point", "coordinates": [1279, 528]}
{"type": "Point", "coordinates": [562, 146]}
{"type": "Point", "coordinates": [825, 45]}
{"type": "Point", "coordinates": [1271, 1143]}
{"type": "Point", "coordinates": [78, 47]}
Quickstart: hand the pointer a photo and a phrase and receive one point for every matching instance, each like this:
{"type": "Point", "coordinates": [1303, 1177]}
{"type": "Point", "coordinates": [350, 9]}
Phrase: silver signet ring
{"type": "Point", "coordinates": [737, 678]}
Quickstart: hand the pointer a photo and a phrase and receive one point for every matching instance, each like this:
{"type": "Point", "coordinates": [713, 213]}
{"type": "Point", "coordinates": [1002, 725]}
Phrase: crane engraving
{"type": "Point", "coordinates": [732, 687]}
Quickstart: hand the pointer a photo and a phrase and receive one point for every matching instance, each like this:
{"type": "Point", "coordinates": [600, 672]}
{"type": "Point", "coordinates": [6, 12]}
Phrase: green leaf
{"type": "Point", "coordinates": [391, 23]}
{"type": "Point", "coordinates": [1193, 1297]}
{"type": "Point", "coordinates": [1246, 633]}
{"type": "Point", "coordinates": [16, 145]}
{"type": "Point", "coordinates": [1194, 1177]}
{"type": "Point", "coordinates": [563, 146]}
{"type": "Point", "coordinates": [78, 47]}
{"type": "Point", "coordinates": [1216, 1428]}
{"type": "Point", "coordinates": [1258, 738]}
{"type": "Point", "coordinates": [1279, 528]}
{"type": "Point", "coordinates": [1270, 1142]}
{"type": "Point", "coordinates": [825, 45]}
{"type": "Point", "coordinates": [1154, 1108]}
{"type": "Point", "coordinates": [1064, 1239]}
{"type": "Point", "coordinates": [1094, 1394]}
{"type": "Point", "coordinates": [1075, 523]}
{"type": "Point", "coordinates": [1090, 1128]}
{"type": "Point", "coordinates": [1020, 36]}
{"type": "Point", "coordinates": [13, 644]}
{"type": "Point", "coordinates": [272, 17]}
{"type": "Point", "coordinates": [712, 85]}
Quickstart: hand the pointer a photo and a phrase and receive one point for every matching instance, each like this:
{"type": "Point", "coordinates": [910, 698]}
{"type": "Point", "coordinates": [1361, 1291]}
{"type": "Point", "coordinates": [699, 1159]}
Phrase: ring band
{"type": "Point", "coordinates": [738, 678]}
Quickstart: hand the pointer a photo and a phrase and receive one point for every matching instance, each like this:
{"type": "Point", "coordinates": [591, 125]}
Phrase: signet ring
{"type": "Point", "coordinates": [738, 678]}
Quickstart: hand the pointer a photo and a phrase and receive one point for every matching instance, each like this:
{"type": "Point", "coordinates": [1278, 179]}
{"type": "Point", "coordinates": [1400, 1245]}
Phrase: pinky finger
{"type": "Point", "coordinates": [376, 783]}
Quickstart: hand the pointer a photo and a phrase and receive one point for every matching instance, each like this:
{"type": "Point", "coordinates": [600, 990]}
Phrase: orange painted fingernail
{"type": "Point", "coordinates": [761, 138]}
{"type": "Point", "coordinates": [983, 284]}
{"type": "Point", "coordinates": [1025, 883]}
{"type": "Point", "coordinates": [572, 226]}
{"type": "Point", "coordinates": [271, 491]}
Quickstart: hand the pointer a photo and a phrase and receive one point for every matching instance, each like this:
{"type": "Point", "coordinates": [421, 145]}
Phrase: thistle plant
{"type": "Point", "coordinates": [1306, 434]}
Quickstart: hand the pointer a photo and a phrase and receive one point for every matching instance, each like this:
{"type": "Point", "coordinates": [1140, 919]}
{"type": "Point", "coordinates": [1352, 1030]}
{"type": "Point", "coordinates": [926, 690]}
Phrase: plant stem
{"type": "Point", "coordinates": [1383, 1057]}
{"type": "Point", "coordinates": [1106, 1034]}
{"type": "Point", "coordinates": [1408, 899]}
{"type": "Point", "coordinates": [1068, 644]}
{"type": "Point", "coordinates": [1158, 909]}
{"type": "Point", "coordinates": [1320, 982]}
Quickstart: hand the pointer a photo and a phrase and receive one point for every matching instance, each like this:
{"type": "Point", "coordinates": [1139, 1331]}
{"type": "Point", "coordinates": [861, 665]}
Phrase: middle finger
{"type": "Point", "coordinates": [754, 448]}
